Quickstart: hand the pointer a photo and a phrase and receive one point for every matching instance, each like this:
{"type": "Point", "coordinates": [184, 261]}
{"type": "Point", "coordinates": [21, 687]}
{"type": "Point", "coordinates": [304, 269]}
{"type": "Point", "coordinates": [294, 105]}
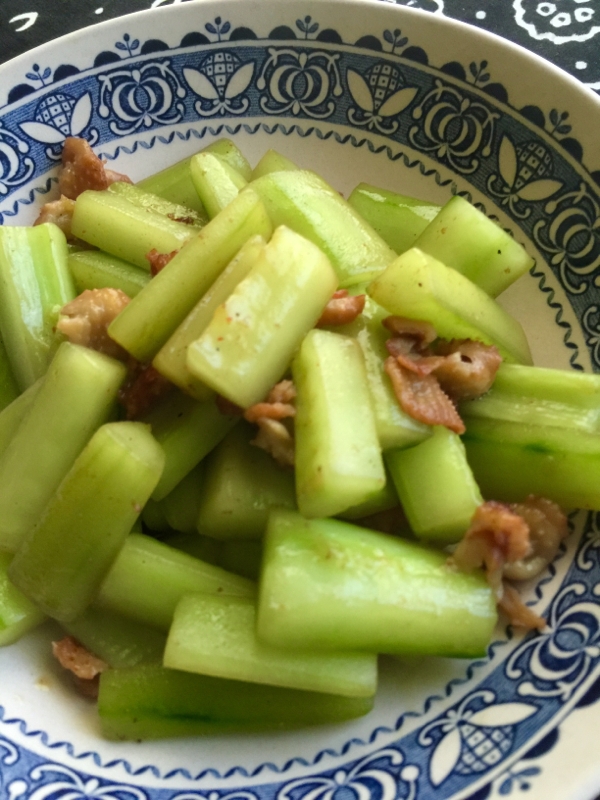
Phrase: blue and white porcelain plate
{"type": "Point", "coordinates": [356, 90]}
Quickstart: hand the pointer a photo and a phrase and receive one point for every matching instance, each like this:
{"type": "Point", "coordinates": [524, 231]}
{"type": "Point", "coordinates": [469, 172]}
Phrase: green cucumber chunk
{"type": "Point", "coordinates": [418, 286]}
{"type": "Point", "coordinates": [35, 283]}
{"type": "Point", "coordinates": [398, 219]}
{"type": "Point", "coordinates": [148, 579]}
{"type": "Point", "coordinates": [385, 499]}
{"type": "Point", "coordinates": [187, 430]}
{"type": "Point", "coordinates": [272, 161]}
{"type": "Point", "coordinates": [9, 389]}
{"type": "Point", "coordinates": [253, 335]}
{"type": "Point", "coordinates": [326, 584]}
{"type": "Point", "coordinates": [181, 505]}
{"type": "Point", "coordinates": [338, 457]}
{"type": "Point", "coordinates": [306, 204]}
{"type": "Point", "coordinates": [215, 636]}
{"type": "Point", "coordinates": [550, 397]}
{"type": "Point", "coordinates": [243, 483]}
{"type": "Point", "coordinates": [93, 269]}
{"type": "Point", "coordinates": [511, 460]}
{"type": "Point", "coordinates": [62, 561]}
{"type": "Point", "coordinates": [462, 237]}
{"type": "Point", "coordinates": [175, 184]}
{"type": "Point", "coordinates": [153, 202]}
{"type": "Point", "coordinates": [395, 428]}
{"type": "Point", "coordinates": [77, 395]}
{"type": "Point", "coordinates": [202, 547]}
{"type": "Point", "coordinates": [118, 641]}
{"type": "Point", "coordinates": [150, 702]}
{"type": "Point", "coordinates": [231, 155]}
{"type": "Point", "coordinates": [436, 487]}
{"type": "Point", "coordinates": [18, 615]}
{"type": "Point", "coordinates": [216, 182]}
{"type": "Point", "coordinates": [171, 359]}
{"type": "Point", "coordinates": [114, 224]}
{"type": "Point", "coordinates": [241, 556]}
{"type": "Point", "coordinates": [13, 414]}
{"type": "Point", "coordinates": [154, 518]}
{"type": "Point", "coordinates": [144, 326]}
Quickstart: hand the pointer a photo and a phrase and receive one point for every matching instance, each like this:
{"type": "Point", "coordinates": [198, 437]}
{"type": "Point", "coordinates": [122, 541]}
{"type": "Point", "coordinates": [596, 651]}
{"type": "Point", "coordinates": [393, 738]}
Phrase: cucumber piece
{"type": "Point", "coordinates": [398, 219]}
{"type": "Point", "coordinates": [243, 483]}
{"type": "Point", "coordinates": [462, 237]}
{"type": "Point", "coordinates": [153, 517]}
{"type": "Point", "coordinates": [153, 202]}
{"type": "Point", "coordinates": [418, 286]}
{"type": "Point", "coordinates": [77, 395]}
{"type": "Point", "coordinates": [272, 161]}
{"type": "Point", "coordinates": [34, 285]}
{"type": "Point", "coordinates": [171, 359]}
{"type": "Point", "coordinates": [385, 499]}
{"type": "Point", "coordinates": [550, 397]}
{"type": "Point", "coordinates": [62, 561]}
{"type": "Point", "coordinates": [215, 636]}
{"type": "Point", "coordinates": [395, 428]}
{"type": "Point", "coordinates": [150, 702]}
{"type": "Point", "coordinates": [326, 584]}
{"type": "Point", "coordinates": [436, 487]}
{"type": "Point", "coordinates": [9, 389]}
{"type": "Point", "coordinates": [118, 641]}
{"type": "Point", "coordinates": [144, 326]}
{"type": "Point", "coordinates": [18, 615]}
{"type": "Point", "coordinates": [338, 458]}
{"type": "Point", "coordinates": [202, 547]}
{"type": "Point", "coordinates": [216, 182]}
{"type": "Point", "coordinates": [303, 202]}
{"type": "Point", "coordinates": [231, 155]}
{"type": "Point", "coordinates": [93, 269]}
{"type": "Point", "coordinates": [13, 414]}
{"type": "Point", "coordinates": [187, 431]}
{"type": "Point", "coordinates": [252, 337]}
{"type": "Point", "coordinates": [113, 224]}
{"type": "Point", "coordinates": [149, 578]}
{"type": "Point", "coordinates": [175, 184]}
{"type": "Point", "coordinates": [182, 504]}
{"type": "Point", "coordinates": [511, 460]}
{"type": "Point", "coordinates": [241, 556]}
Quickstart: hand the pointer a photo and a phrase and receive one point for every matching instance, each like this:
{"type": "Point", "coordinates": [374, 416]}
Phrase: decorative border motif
{"type": "Point", "coordinates": [308, 81]}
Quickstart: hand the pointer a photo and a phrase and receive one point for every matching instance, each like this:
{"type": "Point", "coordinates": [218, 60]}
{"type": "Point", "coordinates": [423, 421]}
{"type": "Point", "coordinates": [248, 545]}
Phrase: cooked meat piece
{"type": "Point", "coordinates": [420, 332]}
{"type": "Point", "coordinates": [158, 260]}
{"type": "Point", "coordinates": [496, 536]}
{"type": "Point", "coordinates": [85, 666]}
{"type": "Point", "coordinates": [60, 212]}
{"type": "Point", "coordinates": [468, 368]}
{"type": "Point", "coordinates": [517, 612]}
{"type": "Point", "coordinates": [73, 656]}
{"type": "Point", "coordinates": [82, 170]}
{"type": "Point", "coordinates": [278, 404]}
{"type": "Point", "coordinates": [421, 397]}
{"type": "Point", "coordinates": [269, 411]}
{"type": "Point", "coordinates": [547, 529]}
{"type": "Point", "coordinates": [341, 309]}
{"type": "Point", "coordinates": [282, 392]}
{"type": "Point", "coordinates": [85, 320]}
{"type": "Point", "coordinates": [275, 438]}
{"type": "Point", "coordinates": [141, 391]}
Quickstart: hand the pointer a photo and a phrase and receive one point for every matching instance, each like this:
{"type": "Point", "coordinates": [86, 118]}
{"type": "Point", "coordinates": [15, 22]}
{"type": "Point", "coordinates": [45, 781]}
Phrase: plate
{"type": "Point", "coordinates": [357, 91]}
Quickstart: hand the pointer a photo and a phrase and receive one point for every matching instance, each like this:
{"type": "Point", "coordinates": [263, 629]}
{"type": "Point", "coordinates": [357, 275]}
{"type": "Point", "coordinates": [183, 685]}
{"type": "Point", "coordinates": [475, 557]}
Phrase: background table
{"type": "Point", "coordinates": [567, 32]}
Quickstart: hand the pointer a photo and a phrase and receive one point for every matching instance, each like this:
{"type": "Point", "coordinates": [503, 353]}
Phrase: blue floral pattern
{"type": "Point", "coordinates": [369, 92]}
